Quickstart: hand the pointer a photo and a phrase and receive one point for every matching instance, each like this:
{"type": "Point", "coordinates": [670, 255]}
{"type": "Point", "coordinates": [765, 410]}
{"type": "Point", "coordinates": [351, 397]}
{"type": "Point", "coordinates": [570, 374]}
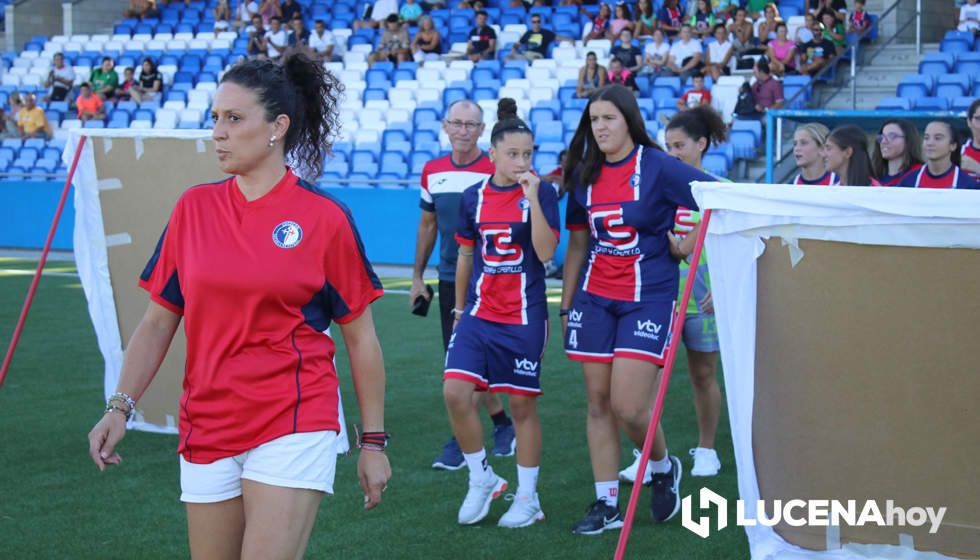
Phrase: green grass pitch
{"type": "Point", "coordinates": [54, 503]}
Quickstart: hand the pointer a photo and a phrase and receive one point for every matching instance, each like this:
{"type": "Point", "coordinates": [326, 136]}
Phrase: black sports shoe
{"type": "Point", "coordinates": [600, 517]}
{"type": "Point", "coordinates": [666, 501]}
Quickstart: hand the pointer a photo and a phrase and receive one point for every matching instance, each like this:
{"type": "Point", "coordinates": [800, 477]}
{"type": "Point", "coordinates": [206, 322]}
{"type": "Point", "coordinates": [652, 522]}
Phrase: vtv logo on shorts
{"type": "Point", "coordinates": [498, 247]}
{"type": "Point", "coordinates": [525, 367]}
{"type": "Point", "coordinates": [812, 513]}
{"type": "Point", "coordinates": [610, 231]}
{"type": "Point", "coordinates": [649, 326]}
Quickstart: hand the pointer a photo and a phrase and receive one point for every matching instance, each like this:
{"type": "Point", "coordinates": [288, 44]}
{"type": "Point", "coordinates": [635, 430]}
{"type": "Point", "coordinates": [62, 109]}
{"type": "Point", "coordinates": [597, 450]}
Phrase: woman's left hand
{"type": "Point", "coordinates": [707, 305]}
{"type": "Point", "coordinates": [529, 182]}
{"type": "Point", "coordinates": [374, 472]}
{"type": "Point", "coordinates": [675, 247]}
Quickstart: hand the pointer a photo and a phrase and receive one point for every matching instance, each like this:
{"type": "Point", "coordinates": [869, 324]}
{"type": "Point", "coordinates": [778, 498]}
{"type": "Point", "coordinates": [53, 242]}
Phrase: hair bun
{"type": "Point", "coordinates": [506, 109]}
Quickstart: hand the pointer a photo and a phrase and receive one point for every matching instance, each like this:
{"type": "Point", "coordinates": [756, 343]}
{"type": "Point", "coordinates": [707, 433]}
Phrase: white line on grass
{"type": "Point", "coordinates": [17, 272]}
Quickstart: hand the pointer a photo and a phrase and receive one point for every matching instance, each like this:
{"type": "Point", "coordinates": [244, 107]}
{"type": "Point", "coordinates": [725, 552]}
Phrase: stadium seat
{"type": "Point", "coordinates": [961, 104]}
{"type": "Point", "coordinates": [937, 63]}
{"type": "Point", "coordinates": [953, 85]}
{"type": "Point", "coordinates": [715, 163]}
{"type": "Point", "coordinates": [753, 126]}
{"type": "Point", "coordinates": [895, 104]}
{"type": "Point", "coordinates": [931, 104]}
{"type": "Point", "coordinates": [914, 86]}
{"type": "Point", "coordinates": [968, 63]}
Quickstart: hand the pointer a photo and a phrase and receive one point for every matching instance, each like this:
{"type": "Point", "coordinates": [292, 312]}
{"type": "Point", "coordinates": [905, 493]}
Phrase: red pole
{"type": "Point", "coordinates": [40, 266]}
{"type": "Point", "coordinates": [658, 406]}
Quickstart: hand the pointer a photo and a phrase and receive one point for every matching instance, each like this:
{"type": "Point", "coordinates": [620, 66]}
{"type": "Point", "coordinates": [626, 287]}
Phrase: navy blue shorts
{"type": "Point", "coordinates": [497, 357]}
{"type": "Point", "coordinates": [600, 329]}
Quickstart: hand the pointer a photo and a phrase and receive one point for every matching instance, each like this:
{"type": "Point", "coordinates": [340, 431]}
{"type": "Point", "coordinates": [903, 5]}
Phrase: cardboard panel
{"type": "Point", "coordinates": [866, 386]}
{"type": "Point", "coordinates": [140, 209]}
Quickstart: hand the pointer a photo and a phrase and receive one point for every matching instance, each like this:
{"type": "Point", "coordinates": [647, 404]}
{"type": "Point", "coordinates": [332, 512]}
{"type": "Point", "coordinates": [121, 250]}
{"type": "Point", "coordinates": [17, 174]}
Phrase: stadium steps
{"type": "Point", "coordinates": [877, 80]}
{"type": "Point", "coordinates": [37, 17]}
{"type": "Point", "coordinates": [97, 16]}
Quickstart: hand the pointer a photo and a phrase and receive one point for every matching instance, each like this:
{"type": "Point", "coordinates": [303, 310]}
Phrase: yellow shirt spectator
{"type": "Point", "coordinates": [31, 121]}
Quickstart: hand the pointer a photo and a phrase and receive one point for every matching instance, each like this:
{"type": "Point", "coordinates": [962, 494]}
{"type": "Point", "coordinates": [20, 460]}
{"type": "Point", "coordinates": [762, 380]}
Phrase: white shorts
{"type": "Point", "coordinates": [301, 460]}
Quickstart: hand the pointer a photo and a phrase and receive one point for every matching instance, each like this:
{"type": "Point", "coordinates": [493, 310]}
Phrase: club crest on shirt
{"type": "Point", "coordinates": [635, 180]}
{"type": "Point", "coordinates": [523, 203]}
{"type": "Point", "coordinates": [287, 235]}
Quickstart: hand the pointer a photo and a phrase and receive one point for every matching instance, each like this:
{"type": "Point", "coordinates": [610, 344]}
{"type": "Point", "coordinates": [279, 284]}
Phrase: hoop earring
{"type": "Point", "coordinates": [272, 141]}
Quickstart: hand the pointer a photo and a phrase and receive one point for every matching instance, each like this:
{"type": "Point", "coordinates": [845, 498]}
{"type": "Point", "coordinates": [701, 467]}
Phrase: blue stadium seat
{"type": "Point", "coordinates": [753, 126]}
{"type": "Point", "coordinates": [424, 114]}
{"type": "Point", "coordinates": [37, 144]}
{"type": "Point", "coordinates": [548, 131]}
{"type": "Point", "coordinates": [539, 114]}
{"type": "Point", "coordinates": [544, 162]}
{"type": "Point", "coordinates": [968, 63]}
{"type": "Point", "coordinates": [422, 137]}
{"type": "Point", "coordinates": [511, 72]}
{"type": "Point", "coordinates": [895, 104]}
{"type": "Point", "coordinates": [931, 104]}
{"type": "Point", "coordinates": [914, 86]}
{"type": "Point", "coordinates": [953, 85]}
{"type": "Point", "coordinates": [743, 143]}
{"type": "Point", "coordinates": [671, 83]}
{"type": "Point", "coordinates": [374, 148]}
{"type": "Point", "coordinates": [94, 124]}
{"type": "Point", "coordinates": [375, 93]}
{"type": "Point", "coordinates": [937, 63]}
{"type": "Point", "coordinates": [793, 84]}
{"type": "Point", "coordinates": [418, 160]}
{"type": "Point", "coordinates": [961, 104]}
{"type": "Point", "coordinates": [451, 94]}
{"type": "Point", "coordinates": [715, 163]}
{"type": "Point", "coordinates": [401, 147]}
{"type": "Point", "coordinates": [389, 136]}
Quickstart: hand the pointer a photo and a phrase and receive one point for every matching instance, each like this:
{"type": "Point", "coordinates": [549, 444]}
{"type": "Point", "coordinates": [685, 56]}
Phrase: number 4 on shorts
{"type": "Point", "coordinates": [573, 338]}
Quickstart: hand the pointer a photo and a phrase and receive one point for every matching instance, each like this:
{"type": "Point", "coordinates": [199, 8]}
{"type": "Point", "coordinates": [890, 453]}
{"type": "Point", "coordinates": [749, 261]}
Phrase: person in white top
{"type": "Point", "coordinates": [686, 55]}
{"type": "Point", "coordinates": [380, 11]}
{"type": "Point", "coordinates": [969, 17]}
{"type": "Point", "coordinates": [275, 40]}
{"type": "Point", "coordinates": [322, 42]}
{"type": "Point", "coordinates": [247, 9]}
{"type": "Point", "coordinates": [655, 54]}
{"type": "Point", "coordinates": [61, 79]}
{"type": "Point", "coordinates": [719, 54]}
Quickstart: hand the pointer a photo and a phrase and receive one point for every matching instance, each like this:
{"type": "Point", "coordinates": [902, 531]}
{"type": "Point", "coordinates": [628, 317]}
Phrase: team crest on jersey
{"type": "Point", "coordinates": [523, 203]}
{"type": "Point", "coordinates": [287, 235]}
{"type": "Point", "coordinates": [635, 180]}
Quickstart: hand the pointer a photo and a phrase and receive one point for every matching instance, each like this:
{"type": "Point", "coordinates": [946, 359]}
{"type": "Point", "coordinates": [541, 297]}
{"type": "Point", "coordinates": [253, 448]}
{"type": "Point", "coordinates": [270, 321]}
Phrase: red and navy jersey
{"type": "Point", "coordinates": [969, 151]}
{"type": "Point", "coordinates": [953, 178]}
{"type": "Point", "coordinates": [828, 178]}
{"type": "Point", "coordinates": [894, 180]}
{"type": "Point", "coordinates": [443, 183]}
{"type": "Point", "coordinates": [628, 211]}
{"type": "Point", "coordinates": [258, 283]}
{"type": "Point", "coordinates": [507, 285]}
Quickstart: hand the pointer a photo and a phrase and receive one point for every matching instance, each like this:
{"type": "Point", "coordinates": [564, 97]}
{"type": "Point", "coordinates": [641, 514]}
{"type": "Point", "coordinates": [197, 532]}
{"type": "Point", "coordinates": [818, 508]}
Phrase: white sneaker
{"type": "Point", "coordinates": [476, 505]}
{"type": "Point", "coordinates": [523, 512]}
{"type": "Point", "coordinates": [706, 462]}
{"type": "Point", "coordinates": [629, 473]}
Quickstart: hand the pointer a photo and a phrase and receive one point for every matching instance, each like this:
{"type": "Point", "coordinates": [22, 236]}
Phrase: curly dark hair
{"type": "Point", "coordinates": [304, 91]}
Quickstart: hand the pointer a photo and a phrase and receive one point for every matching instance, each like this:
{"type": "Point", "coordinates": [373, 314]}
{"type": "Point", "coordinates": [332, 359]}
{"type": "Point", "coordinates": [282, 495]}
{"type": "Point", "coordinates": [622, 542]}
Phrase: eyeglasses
{"type": "Point", "coordinates": [533, 21]}
{"type": "Point", "coordinates": [468, 125]}
{"type": "Point", "coordinates": [891, 137]}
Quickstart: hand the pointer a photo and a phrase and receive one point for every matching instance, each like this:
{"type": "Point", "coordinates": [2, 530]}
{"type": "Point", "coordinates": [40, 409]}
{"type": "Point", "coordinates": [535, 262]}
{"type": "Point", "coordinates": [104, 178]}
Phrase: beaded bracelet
{"type": "Point", "coordinates": [110, 407]}
{"type": "Point", "coordinates": [122, 398]}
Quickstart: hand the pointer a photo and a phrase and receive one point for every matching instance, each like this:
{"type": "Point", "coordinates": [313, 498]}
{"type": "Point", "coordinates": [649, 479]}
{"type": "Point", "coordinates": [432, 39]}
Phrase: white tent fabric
{"type": "Point", "coordinates": [743, 215]}
{"type": "Point", "coordinates": [92, 259]}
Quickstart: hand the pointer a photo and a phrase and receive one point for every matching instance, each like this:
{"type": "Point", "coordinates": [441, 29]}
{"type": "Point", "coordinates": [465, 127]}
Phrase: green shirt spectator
{"type": "Point", "coordinates": [104, 79]}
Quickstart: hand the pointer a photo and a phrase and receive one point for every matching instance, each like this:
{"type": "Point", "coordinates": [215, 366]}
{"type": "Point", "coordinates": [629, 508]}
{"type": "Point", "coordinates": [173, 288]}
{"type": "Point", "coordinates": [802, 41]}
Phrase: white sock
{"type": "Point", "coordinates": [608, 491]}
{"type": "Point", "coordinates": [527, 480]}
{"type": "Point", "coordinates": [477, 462]}
{"type": "Point", "coordinates": [661, 466]}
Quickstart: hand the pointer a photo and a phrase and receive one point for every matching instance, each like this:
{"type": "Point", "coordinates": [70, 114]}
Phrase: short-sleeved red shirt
{"type": "Point", "coordinates": [258, 284]}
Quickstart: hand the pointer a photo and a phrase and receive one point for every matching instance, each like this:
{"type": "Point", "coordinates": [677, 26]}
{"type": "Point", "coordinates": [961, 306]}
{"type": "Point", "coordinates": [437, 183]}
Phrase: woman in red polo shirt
{"type": "Point", "coordinates": [259, 265]}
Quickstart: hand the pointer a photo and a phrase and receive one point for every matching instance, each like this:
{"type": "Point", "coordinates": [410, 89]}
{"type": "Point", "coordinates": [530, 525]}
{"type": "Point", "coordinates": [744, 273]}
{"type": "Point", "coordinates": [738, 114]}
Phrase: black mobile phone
{"type": "Point", "coordinates": [420, 306]}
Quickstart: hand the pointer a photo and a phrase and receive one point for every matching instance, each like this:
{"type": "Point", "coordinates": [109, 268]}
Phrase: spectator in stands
{"type": "Point", "coordinates": [141, 9]}
{"type": "Point", "coordinates": [410, 12]}
{"type": "Point", "coordinates": [256, 38]}
{"type": "Point", "coordinates": [685, 55]}
{"type": "Point", "coordinates": [61, 78]}
{"type": "Point", "coordinates": [533, 45]}
{"type": "Point", "coordinates": [591, 77]}
{"type": "Point", "coordinates": [897, 151]}
{"type": "Point", "coordinates": [671, 17]}
{"type": "Point", "coordinates": [222, 16]}
{"type": "Point", "coordinates": [741, 33]}
{"type": "Point", "coordinates": [427, 43]}
{"type": "Point", "coordinates": [376, 14]}
{"type": "Point", "coordinates": [269, 9]}
{"type": "Point", "coordinates": [969, 19]}
{"type": "Point", "coordinates": [16, 103]}
{"type": "Point", "coordinates": [600, 23]}
{"type": "Point", "coordinates": [124, 91]}
{"type": "Point", "coordinates": [766, 93]}
{"type": "Point", "coordinates": [846, 152]}
{"type": "Point", "coordinates": [834, 32]}
{"type": "Point", "coordinates": [703, 20]}
{"type": "Point", "coordinates": [836, 7]}
{"type": "Point", "coordinates": [621, 20]}
{"type": "Point", "coordinates": [817, 53]}
{"type": "Point", "coordinates": [725, 9]}
{"type": "Point", "coordinates": [755, 8]}
{"type": "Point", "coordinates": [970, 161]}
{"type": "Point", "coordinates": [767, 29]}
{"type": "Point", "coordinates": [299, 35]}
{"type": "Point", "coordinates": [31, 121]}
{"type": "Point", "coordinates": [655, 54]}
{"type": "Point", "coordinates": [276, 40]}
{"type": "Point", "coordinates": [808, 141]}
{"type": "Point", "coordinates": [696, 96]}
{"type": "Point", "coordinates": [646, 19]}
{"type": "Point", "coordinates": [291, 10]}
{"type": "Point", "coordinates": [104, 79]}
{"type": "Point", "coordinates": [150, 84]}
{"type": "Point", "coordinates": [322, 42]}
{"type": "Point", "coordinates": [8, 126]}
{"type": "Point", "coordinates": [804, 33]}
{"type": "Point", "coordinates": [622, 76]}
{"type": "Point", "coordinates": [482, 44]}
{"type": "Point", "coordinates": [859, 19]}
{"type": "Point", "coordinates": [89, 105]}
{"type": "Point", "coordinates": [941, 148]}
{"type": "Point", "coordinates": [781, 52]}
{"type": "Point", "coordinates": [627, 53]}
{"type": "Point", "coordinates": [394, 43]}
{"type": "Point", "coordinates": [720, 52]}
{"type": "Point", "coordinates": [247, 10]}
